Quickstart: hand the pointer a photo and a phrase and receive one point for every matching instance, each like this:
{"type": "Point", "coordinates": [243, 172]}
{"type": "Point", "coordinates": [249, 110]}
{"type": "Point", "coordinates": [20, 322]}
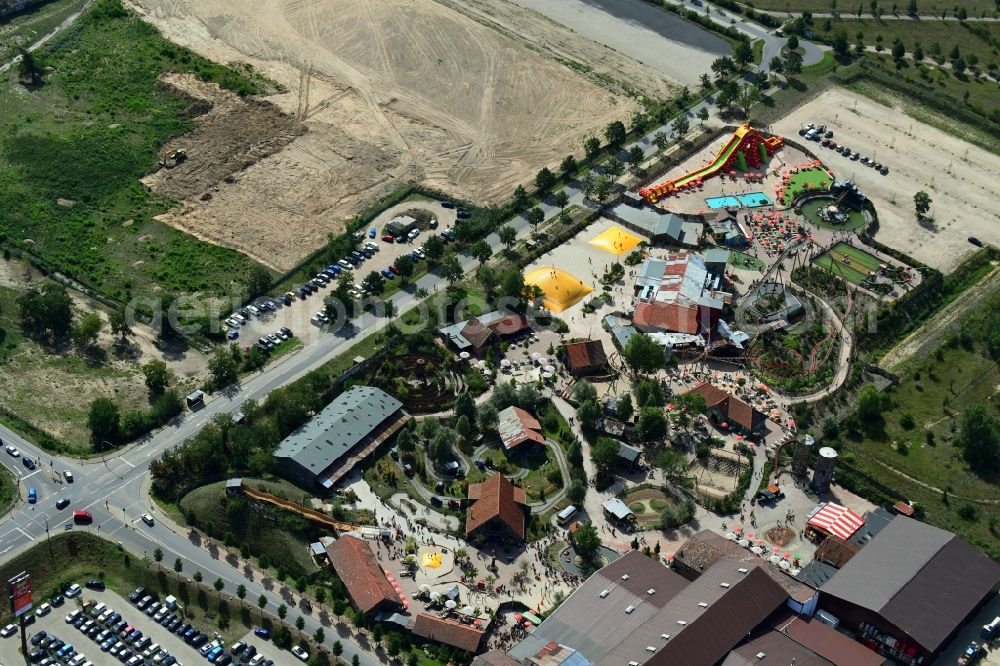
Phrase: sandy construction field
{"type": "Point", "coordinates": [959, 177]}
{"type": "Point", "coordinates": [399, 90]}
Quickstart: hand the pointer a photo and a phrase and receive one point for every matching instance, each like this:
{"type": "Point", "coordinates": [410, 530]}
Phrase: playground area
{"type": "Point", "coordinates": [958, 176]}
{"type": "Point", "coordinates": [561, 288]}
{"type": "Point", "coordinates": [616, 241]}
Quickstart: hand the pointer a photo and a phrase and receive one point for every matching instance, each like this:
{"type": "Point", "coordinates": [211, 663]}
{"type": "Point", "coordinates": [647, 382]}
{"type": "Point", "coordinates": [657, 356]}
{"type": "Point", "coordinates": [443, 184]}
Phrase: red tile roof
{"type": "Point", "coordinates": [517, 426]}
{"type": "Point", "coordinates": [904, 509]}
{"type": "Point", "coordinates": [669, 317]}
{"type": "Point", "coordinates": [586, 355]}
{"type": "Point", "coordinates": [462, 636]}
{"type": "Point", "coordinates": [509, 325]}
{"type": "Point", "coordinates": [361, 574]}
{"type": "Point", "coordinates": [496, 498]}
{"type": "Point", "coordinates": [713, 395]}
{"type": "Point", "coordinates": [734, 409]}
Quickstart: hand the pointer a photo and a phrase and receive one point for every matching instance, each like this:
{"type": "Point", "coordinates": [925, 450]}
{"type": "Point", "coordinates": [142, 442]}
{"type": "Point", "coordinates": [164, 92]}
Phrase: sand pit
{"type": "Point", "coordinates": [957, 175]}
{"type": "Point", "coordinates": [389, 91]}
{"type": "Point", "coordinates": [562, 289]}
{"type": "Point", "coordinates": [615, 240]}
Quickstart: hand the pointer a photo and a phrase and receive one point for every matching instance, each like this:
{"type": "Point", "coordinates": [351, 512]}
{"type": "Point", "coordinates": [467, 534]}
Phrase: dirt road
{"type": "Point", "coordinates": [389, 91]}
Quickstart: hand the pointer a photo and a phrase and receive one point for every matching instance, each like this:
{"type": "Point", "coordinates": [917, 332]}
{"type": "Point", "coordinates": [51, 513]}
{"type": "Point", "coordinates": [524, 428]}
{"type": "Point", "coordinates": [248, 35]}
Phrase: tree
{"type": "Point", "coordinates": [87, 329]}
{"type": "Point", "coordinates": [521, 198]}
{"type": "Point", "coordinates": [921, 203]}
{"type": "Point", "coordinates": [703, 114]}
{"type": "Point", "coordinates": [104, 420]}
{"type": "Point", "coordinates": [958, 66]}
{"type": "Point", "coordinates": [743, 54]}
{"type": "Point", "coordinates": [614, 167]}
{"type": "Point", "coordinates": [560, 199]}
{"type": "Point", "coordinates": [258, 282]}
{"type": "Point", "coordinates": [463, 427]}
{"type": "Point", "coordinates": [898, 50]}
{"type": "Point", "coordinates": [869, 403]}
{"type": "Point", "coordinates": [680, 126]}
{"type": "Point", "coordinates": [178, 565]}
{"type": "Point", "coordinates": [705, 82]}
{"type": "Point", "coordinates": [583, 391]}
{"type": "Point", "coordinates": [793, 42]}
{"type": "Point", "coordinates": [576, 492]}
{"type": "Point", "coordinates": [911, 7]}
{"type": "Point", "coordinates": [777, 65]}
{"type": "Point", "coordinates": [198, 577]}
{"type": "Point", "coordinates": [748, 97]}
{"type": "Point", "coordinates": [261, 602]}
{"type": "Point", "coordinates": [652, 424]}
{"type": "Point", "coordinates": [979, 438]}
{"type": "Point", "coordinates": [450, 269]}
{"type": "Point", "coordinates": [962, 13]}
{"type": "Point", "coordinates": [282, 611]}
{"type": "Point", "coordinates": [219, 584]}
{"type": "Point", "coordinates": [649, 393]}
{"type": "Point", "coordinates": [481, 251]}
{"type": "Point", "coordinates": [586, 541]}
{"type": "Point", "coordinates": [119, 325]}
{"type": "Point", "coordinates": [840, 44]}
{"type": "Point", "coordinates": [635, 157]}
{"type": "Point", "coordinates": [568, 165]}
{"type": "Point", "coordinates": [338, 648]}
{"type": "Point", "coordinates": [158, 555]}
{"type": "Point", "coordinates": [405, 442]}
{"type": "Point", "coordinates": [544, 179]}
{"type": "Point", "coordinates": [465, 406]}
{"type": "Point", "coordinates": [47, 312]}
{"type": "Point", "coordinates": [643, 354]}
{"type": "Point", "coordinates": [661, 140]}
{"type": "Point", "coordinates": [625, 408]}
{"type": "Point", "coordinates": [588, 183]}
{"type": "Point", "coordinates": [487, 416]}
{"type": "Point", "coordinates": [241, 592]}
{"type": "Point", "coordinates": [512, 283]}
{"type": "Point", "coordinates": [615, 132]}
{"type": "Point", "coordinates": [591, 146]}
{"type": "Point", "coordinates": [300, 623]}
{"type": "Point", "coordinates": [535, 216]}
{"type": "Point", "coordinates": [672, 463]}
{"type": "Point", "coordinates": [604, 455]}
{"type": "Point", "coordinates": [29, 72]}
{"type": "Point", "coordinates": [603, 188]}
{"type": "Point", "coordinates": [223, 367]}
{"type": "Point", "coordinates": [723, 67]}
{"type": "Point", "coordinates": [433, 248]}
{"type": "Point", "coordinates": [374, 283]}
{"type": "Point", "coordinates": [793, 63]}
{"type": "Point", "coordinates": [440, 449]}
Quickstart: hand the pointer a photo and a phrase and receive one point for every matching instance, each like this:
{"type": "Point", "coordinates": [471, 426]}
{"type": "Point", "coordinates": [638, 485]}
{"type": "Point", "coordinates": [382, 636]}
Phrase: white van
{"type": "Point", "coordinates": [563, 516]}
{"type": "Point", "coordinates": [98, 609]}
{"type": "Point", "coordinates": [151, 650]}
{"type": "Point", "coordinates": [252, 309]}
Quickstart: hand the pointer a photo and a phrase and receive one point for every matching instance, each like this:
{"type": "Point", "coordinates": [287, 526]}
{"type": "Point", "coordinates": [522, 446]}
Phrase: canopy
{"type": "Point", "coordinates": [531, 617]}
{"type": "Point", "coordinates": [836, 520]}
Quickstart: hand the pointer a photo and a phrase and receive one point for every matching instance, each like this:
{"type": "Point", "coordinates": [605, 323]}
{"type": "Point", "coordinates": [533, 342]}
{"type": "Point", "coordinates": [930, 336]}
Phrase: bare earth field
{"type": "Point", "coordinates": [959, 176]}
{"type": "Point", "coordinates": [399, 90]}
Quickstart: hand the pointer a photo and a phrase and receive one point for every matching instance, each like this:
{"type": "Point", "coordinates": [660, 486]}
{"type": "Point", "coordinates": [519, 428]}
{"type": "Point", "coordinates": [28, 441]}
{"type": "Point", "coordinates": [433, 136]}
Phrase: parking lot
{"type": "Point", "coordinates": [297, 315]}
{"type": "Point", "coordinates": [140, 649]}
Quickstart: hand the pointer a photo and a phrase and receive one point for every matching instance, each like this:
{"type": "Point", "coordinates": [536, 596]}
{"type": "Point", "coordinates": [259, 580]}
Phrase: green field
{"type": "Point", "coordinates": [806, 180]}
{"type": "Point", "coordinates": [869, 261]}
{"type": "Point", "coordinates": [745, 261]}
{"type": "Point", "coordinates": [27, 27]}
{"type": "Point", "coordinates": [72, 151]}
{"type": "Point", "coordinates": [840, 268]}
{"type": "Point", "coordinates": [810, 209]}
{"type": "Point", "coordinates": [8, 490]}
{"type": "Point", "coordinates": [924, 7]}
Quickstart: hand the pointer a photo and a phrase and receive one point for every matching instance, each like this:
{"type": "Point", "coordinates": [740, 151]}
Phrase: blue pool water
{"type": "Point", "coordinates": [750, 200]}
{"type": "Point", "coordinates": [723, 202]}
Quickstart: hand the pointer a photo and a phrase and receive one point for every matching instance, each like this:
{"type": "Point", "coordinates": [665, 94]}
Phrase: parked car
{"type": "Point", "coordinates": [447, 204]}
{"type": "Point", "coordinates": [93, 583]}
{"type": "Point", "coordinates": [300, 653]}
{"type": "Point", "coordinates": [389, 275]}
{"type": "Point", "coordinates": [388, 238]}
{"type": "Point", "coordinates": [8, 631]}
{"type": "Point", "coordinates": [975, 241]}
{"type": "Point", "coordinates": [261, 632]}
{"type": "Point", "coordinates": [72, 591]}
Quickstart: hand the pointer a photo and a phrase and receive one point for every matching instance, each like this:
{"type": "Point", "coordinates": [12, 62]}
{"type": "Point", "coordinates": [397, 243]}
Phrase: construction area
{"type": "Point", "coordinates": [387, 92]}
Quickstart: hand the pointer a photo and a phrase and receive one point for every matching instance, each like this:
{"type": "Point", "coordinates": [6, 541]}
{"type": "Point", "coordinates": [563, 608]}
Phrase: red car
{"type": "Point", "coordinates": [388, 238]}
{"type": "Point", "coordinates": [82, 517]}
{"type": "Point", "coordinates": [394, 269]}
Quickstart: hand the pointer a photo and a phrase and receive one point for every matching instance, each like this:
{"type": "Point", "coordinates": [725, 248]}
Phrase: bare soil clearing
{"type": "Point", "coordinates": [389, 90]}
{"type": "Point", "coordinates": [959, 176]}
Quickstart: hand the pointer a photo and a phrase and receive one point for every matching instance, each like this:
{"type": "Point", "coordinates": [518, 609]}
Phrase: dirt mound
{"type": "Point", "coordinates": [232, 133]}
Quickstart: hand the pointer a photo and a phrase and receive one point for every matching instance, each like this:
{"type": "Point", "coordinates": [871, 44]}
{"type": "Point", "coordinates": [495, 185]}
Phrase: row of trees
{"type": "Point", "coordinates": [48, 314]}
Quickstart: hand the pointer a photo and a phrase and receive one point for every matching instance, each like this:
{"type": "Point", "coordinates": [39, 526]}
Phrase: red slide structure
{"type": "Point", "coordinates": [746, 147]}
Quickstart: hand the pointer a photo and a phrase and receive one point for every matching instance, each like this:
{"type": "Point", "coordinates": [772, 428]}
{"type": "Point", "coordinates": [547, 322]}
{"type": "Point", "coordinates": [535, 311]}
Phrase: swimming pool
{"type": "Point", "coordinates": [750, 200]}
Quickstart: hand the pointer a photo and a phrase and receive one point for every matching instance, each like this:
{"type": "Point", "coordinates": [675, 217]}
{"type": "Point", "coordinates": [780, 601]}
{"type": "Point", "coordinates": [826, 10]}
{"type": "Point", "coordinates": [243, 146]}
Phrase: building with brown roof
{"type": "Point", "coordinates": [438, 629]}
{"type": "Point", "coordinates": [656, 316]}
{"type": "Point", "coordinates": [479, 333]}
{"type": "Point", "coordinates": [724, 408]}
{"type": "Point", "coordinates": [835, 551]}
{"type": "Point", "coordinates": [705, 548]}
{"type": "Point", "coordinates": [586, 357]}
{"type": "Point", "coordinates": [496, 657]}
{"type": "Point", "coordinates": [637, 611]}
{"type": "Point", "coordinates": [517, 427]}
{"type": "Point", "coordinates": [497, 506]}
{"type": "Point", "coordinates": [367, 586]}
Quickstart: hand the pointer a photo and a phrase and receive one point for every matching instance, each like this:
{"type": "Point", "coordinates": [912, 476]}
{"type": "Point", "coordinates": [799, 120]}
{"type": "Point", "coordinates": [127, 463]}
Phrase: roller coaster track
{"type": "Point", "coordinates": [308, 514]}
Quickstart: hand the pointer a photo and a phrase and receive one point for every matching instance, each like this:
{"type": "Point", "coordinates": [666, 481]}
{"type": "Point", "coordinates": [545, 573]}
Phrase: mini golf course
{"type": "Point", "coordinates": [852, 263]}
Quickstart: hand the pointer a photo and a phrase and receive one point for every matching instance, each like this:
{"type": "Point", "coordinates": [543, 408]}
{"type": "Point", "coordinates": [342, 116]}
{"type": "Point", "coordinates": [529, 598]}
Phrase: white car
{"type": "Point", "coordinates": [12, 450]}
{"type": "Point", "coordinates": [148, 519]}
{"type": "Point", "coordinates": [73, 591]}
{"type": "Point", "coordinates": [300, 653]}
{"type": "Point", "coordinates": [43, 610]}
{"type": "Point", "coordinates": [72, 615]}
{"type": "Point", "coordinates": [9, 630]}
{"type": "Point", "coordinates": [256, 659]}
{"type": "Point", "coordinates": [69, 475]}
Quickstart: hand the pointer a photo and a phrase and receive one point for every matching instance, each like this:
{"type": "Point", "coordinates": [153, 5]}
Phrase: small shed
{"type": "Point", "coordinates": [616, 509]}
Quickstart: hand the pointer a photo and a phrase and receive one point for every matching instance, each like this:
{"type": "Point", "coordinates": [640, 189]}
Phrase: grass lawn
{"type": "Point", "coordinates": [805, 181]}
{"type": "Point", "coordinates": [840, 269]}
{"type": "Point", "coordinates": [8, 489]}
{"type": "Point", "coordinates": [75, 556]}
{"type": "Point", "coordinates": [924, 7]}
{"type": "Point", "coordinates": [869, 261]}
{"type": "Point", "coordinates": [934, 392]}
{"type": "Point", "coordinates": [745, 261]}
{"type": "Point", "coordinates": [27, 27]}
{"type": "Point", "coordinates": [73, 149]}
{"type": "Point", "coordinates": [281, 537]}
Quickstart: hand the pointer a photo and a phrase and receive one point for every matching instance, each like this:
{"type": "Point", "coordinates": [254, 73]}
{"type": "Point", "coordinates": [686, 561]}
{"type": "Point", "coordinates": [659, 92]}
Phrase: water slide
{"type": "Point", "coordinates": [744, 136]}
{"type": "Point", "coordinates": [308, 514]}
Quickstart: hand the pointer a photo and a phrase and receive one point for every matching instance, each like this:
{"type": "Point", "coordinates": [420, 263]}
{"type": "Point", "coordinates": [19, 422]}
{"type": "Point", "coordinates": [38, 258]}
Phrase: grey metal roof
{"type": "Point", "coordinates": [882, 568]}
{"type": "Point", "coordinates": [629, 453]}
{"type": "Point", "coordinates": [655, 224]}
{"type": "Point", "coordinates": [350, 418]}
{"type": "Point", "coordinates": [617, 508]}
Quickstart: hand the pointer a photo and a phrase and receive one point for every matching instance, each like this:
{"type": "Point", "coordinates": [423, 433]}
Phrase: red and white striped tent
{"type": "Point", "coordinates": [836, 520]}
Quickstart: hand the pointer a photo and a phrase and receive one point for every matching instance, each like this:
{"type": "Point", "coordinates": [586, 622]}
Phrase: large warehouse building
{"type": "Point", "coordinates": [348, 430]}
